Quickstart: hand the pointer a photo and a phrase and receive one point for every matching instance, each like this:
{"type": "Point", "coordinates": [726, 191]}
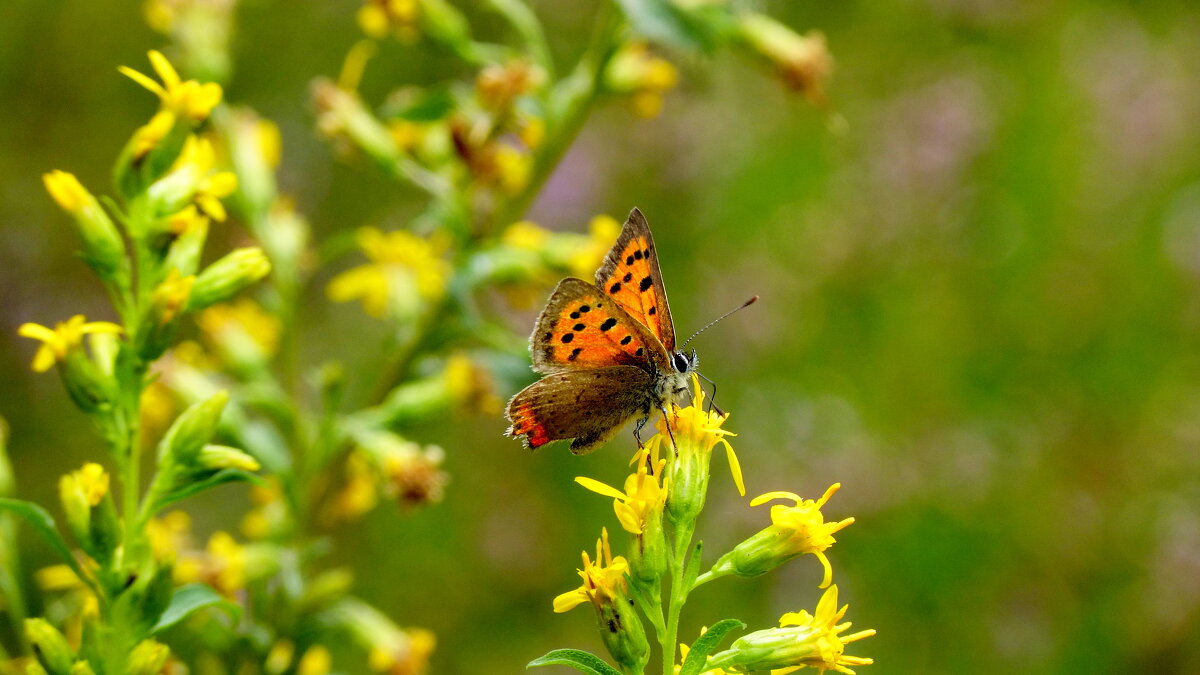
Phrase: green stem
{"type": "Point", "coordinates": [678, 596]}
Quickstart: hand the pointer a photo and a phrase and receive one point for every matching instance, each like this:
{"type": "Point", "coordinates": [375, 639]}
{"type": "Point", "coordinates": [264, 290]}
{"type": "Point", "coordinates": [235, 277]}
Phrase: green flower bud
{"type": "Point", "coordinates": [192, 431]}
{"type": "Point", "coordinates": [51, 648]}
{"type": "Point", "coordinates": [103, 248]}
{"type": "Point", "coordinates": [623, 635]}
{"type": "Point", "coordinates": [85, 383]}
{"type": "Point", "coordinates": [82, 668]}
{"type": "Point", "coordinates": [149, 154]}
{"type": "Point", "coordinates": [217, 457]}
{"type": "Point", "coordinates": [35, 668]}
{"type": "Point", "coordinates": [226, 277]}
{"type": "Point", "coordinates": [148, 658]}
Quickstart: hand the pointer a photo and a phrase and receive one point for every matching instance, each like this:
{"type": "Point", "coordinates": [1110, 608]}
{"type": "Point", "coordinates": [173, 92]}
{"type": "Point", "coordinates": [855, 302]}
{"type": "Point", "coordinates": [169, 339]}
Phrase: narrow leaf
{"type": "Point", "coordinates": [705, 644]}
{"type": "Point", "coordinates": [197, 486]}
{"type": "Point", "coordinates": [188, 600]}
{"type": "Point", "coordinates": [693, 567]}
{"type": "Point", "coordinates": [43, 522]}
{"type": "Point", "coordinates": [580, 660]}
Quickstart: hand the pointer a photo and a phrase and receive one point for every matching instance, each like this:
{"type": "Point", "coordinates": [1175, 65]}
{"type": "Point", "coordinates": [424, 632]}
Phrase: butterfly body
{"type": "Point", "coordinates": [606, 350]}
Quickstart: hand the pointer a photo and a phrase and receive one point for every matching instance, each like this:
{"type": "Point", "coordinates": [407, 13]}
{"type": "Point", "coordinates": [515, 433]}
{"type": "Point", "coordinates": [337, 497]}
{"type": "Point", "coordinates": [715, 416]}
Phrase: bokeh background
{"type": "Point", "coordinates": [980, 313]}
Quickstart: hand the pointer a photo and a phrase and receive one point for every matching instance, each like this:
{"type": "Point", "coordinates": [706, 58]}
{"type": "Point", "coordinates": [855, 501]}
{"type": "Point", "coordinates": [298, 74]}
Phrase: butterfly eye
{"type": "Point", "coordinates": [681, 362]}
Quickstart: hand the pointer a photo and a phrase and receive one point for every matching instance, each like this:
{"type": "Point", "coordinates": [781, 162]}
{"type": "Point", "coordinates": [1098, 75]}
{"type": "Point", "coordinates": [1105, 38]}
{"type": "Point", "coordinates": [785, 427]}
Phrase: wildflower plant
{"type": "Point", "coordinates": [659, 509]}
{"type": "Point", "coordinates": [199, 379]}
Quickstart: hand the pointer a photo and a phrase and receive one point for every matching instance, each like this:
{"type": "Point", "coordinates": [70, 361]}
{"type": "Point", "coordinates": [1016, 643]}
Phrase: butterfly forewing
{"type": "Point", "coordinates": [630, 276]}
{"type": "Point", "coordinates": [582, 328]}
{"type": "Point", "coordinates": [586, 405]}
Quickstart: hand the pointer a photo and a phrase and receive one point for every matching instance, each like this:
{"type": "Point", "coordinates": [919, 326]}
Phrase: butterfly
{"type": "Point", "coordinates": [607, 351]}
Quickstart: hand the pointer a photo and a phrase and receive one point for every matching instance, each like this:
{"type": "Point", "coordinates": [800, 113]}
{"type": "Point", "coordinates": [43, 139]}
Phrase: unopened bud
{"type": "Point", "coordinates": [103, 247]}
{"type": "Point", "coordinates": [226, 277]}
{"type": "Point", "coordinates": [218, 457]}
{"type": "Point", "coordinates": [148, 658]}
{"type": "Point", "coordinates": [51, 648]}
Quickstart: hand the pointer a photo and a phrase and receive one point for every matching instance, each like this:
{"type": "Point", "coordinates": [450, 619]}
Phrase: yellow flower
{"type": "Point", "coordinates": [171, 295]}
{"type": "Point", "coordinates": [226, 568]}
{"type": "Point", "coordinates": [67, 191]}
{"type": "Point", "coordinates": [269, 509]}
{"type": "Point", "coordinates": [279, 657]}
{"type": "Point", "coordinates": [699, 431]}
{"type": "Point", "coordinates": [360, 492]}
{"type": "Point", "coordinates": [603, 580]}
{"type": "Point", "coordinates": [376, 17]}
{"type": "Point", "coordinates": [169, 535]}
{"type": "Point", "coordinates": [187, 98]}
{"type": "Point", "coordinates": [240, 320]}
{"type": "Point", "coordinates": [402, 265]}
{"type": "Point", "coordinates": [643, 495]}
{"type": "Point", "coordinates": [471, 386]}
{"type": "Point", "coordinates": [525, 235]}
{"type": "Point", "coordinates": [804, 525]}
{"type": "Point", "coordinates": [93, 482]}
{"type": "Point", "coordinates": [149, 135]}
{"type": "Point", "coordinates": [602, 231]}
{"type": "Point", "coordinates": [513, 167]}
{"type": "Point", "coordinates": [802, 640]}
{"type": "Point", "coordinates": [66, 337]}
{"type": "Point", "coordinates": [316, 661]}
{"type": "Point", "coordinates": [198, 159]}
{"type": "Point", "coordinates": [408, 655]}
{"type": "Point", "coordinates": [414, 475]}
{"type": "Point", "coordinates": [637, 72]}
{"type": "Point", "coordinates": [498, 86]}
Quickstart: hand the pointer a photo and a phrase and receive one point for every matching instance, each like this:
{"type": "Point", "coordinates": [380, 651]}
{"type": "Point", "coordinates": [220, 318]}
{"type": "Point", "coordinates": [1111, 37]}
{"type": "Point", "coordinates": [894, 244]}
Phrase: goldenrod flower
{"type": "Point", "coordinates": [403, 267]}
{"type": "Point", "coordinates": [148, 136]}
{"type": "Point", "coordinates": [225, 563]}
{"type": "Point", "coordinates": [228, 275]}
{"type": "Point", "coordinates": [605, 586]}
{"type": "Point", "coordinates": [471, 386]}
{"type": "Point", "coordinates": [377, 17]}
{"type": "Point", "coordinates": [241, 328]}
{"type": "Point", "coordinates": [602, 232]}
{"type": "Point", "coordinates": [603, 580]}
{"type": "Point", "coordinates": [803, 61]}
{"type": "Point", "coordinates": [794, 531]}
{"type": "Point", "coordinates": [316, 661]}
{"type": "Point", "coordinates": [187, 98]}
{"type": "Point", "coordinates": [211, 186]}
{"type": "Point", "coordinates": [414, 474]}
{"type": "Point", "coordinates": [64, 338]}
{"type": "Point", "coordinates": [499, 85]}
{"type": "Point", "coordinates": [802, 639]}
{"type": "Point", "coordinates": [269, 510]}
{"type": "Point", "coordinates": [360, 491]}
{"type": "Point", "coordinates": [406, 656]}
{"type": "Point", "coordinates": [148, 658]}
{"type": "Point", "coordinates": [696, 432]}
{"type": "Point", "coordinates": [644, 494]}
{"type": "Point", "coordinates": [169, 535]}
{"type": "Point", "coordinates": [67, 191]}
{"type": "Point", "coordinates": [171, 296]}
{"type": "Point", "coordinates": [637, 72]}
{"type": "Point", "coordinates": [526, 235]}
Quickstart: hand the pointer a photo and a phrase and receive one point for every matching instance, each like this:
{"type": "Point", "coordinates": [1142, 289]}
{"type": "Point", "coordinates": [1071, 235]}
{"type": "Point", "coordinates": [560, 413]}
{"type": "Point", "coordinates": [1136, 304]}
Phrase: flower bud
{"type": "Point", "coordinates": [226, 277]}
{"type": "Point", "coordinates": [157, 326]}
{"type": "Point", "coordinates": [103, 247]}
{"type": "Point", "coordinates": [91, 515]}
{"type": "Point", "coordinates": [192, 430]}
{"type": "Point", "coordinates": [82, 668]}
{"type": "Point", "coordinates": [218, 457]}
{"type": "Point", "coordinates": [149, 154]}
{"type": "Point", "coordinates": [51, 648]}
{"type": "Point", "coordinates": [148, 658]}
{"type": "Point", "coordinates": [803, 61]}
{"type": "Point", "coordinates": [341, 114]}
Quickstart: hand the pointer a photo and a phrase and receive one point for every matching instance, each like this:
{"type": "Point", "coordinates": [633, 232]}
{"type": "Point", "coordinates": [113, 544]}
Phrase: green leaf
{"type": "Point", "coordinates": [582, 661]}
{"type": "Point", "coordinates": [190, 599]}
{"type": "Point", "coordinates": [43, 522]}
{"type": "Point", "coordinates": [705, 644]}
{"type": "Point", "coordinates": [200, 485]}
{"type": "Point", "coordinates": [663, 21]}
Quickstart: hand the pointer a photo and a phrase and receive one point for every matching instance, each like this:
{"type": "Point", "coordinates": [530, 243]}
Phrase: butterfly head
{"type": "Point", "coordinates": [684, 362]}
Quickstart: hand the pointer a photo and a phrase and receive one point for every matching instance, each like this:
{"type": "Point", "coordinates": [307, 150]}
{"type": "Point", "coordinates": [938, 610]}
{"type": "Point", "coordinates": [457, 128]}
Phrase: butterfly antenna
{"type": "Point", "coordinates": [712, 400]}
{"type": "Point", "coordinates": [712, 323]}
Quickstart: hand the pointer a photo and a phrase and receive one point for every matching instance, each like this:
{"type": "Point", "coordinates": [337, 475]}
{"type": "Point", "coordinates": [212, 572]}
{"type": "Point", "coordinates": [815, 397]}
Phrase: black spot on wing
{"type": "Point", "coordinates": [637, 255]}
{"type": "Point", "coordinates": [628, 277]}
{"type": "Point", "coordinates": [608, 323]}
{"type": "Point", "coordinates": [578, 327]}
{"type": "Point", "coordinates": [652, 311]}
{"type": "Point", "coordinates": [616, 288]}
{"type": "Point", "coordinates": [629, 260]}
{"type": "Point", "coordinates": [575, 353]}
{"type": "Point", "coordinates": [645, 285]}
{"type": "Point", "coordinates": [585, 309]}
{"type": "Point", "coordinates": [568, 337]}
{"type": "Point", "coordinates": [574, 315]}
{"type": "Point", "coordinates": [627, 339]}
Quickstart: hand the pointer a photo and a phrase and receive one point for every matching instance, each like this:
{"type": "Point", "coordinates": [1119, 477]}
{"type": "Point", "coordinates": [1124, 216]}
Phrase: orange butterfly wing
{"type": "Point", "coordinates": [582, 328]}
{"type": "Point", "coordinates": [588, 406]}
{"type": "Point", "coordinates": [630, 276]}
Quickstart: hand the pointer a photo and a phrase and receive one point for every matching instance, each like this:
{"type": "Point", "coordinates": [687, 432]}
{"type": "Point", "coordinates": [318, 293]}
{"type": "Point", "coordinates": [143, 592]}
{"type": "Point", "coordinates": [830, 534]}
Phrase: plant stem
{"type": "Point", "coordinates": [678, 595]}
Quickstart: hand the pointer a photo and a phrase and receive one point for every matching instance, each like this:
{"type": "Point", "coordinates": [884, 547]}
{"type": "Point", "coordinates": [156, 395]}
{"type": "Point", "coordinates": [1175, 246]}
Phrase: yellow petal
{"type": "Point", "coordinates": [735, 468]}
{"type": "Point", "coordinates": [143, 80]}
{"type": "Point", "coordinates": [166, 72]}
{"type": "Point", "coordinates": [599, 488]}
{"type": "Point", "coordinates": [768, 496]}
{"type": "Point", "coordinates": [569, 600]}
{"type": "Point", "coordinates": [37, 332]}
{"type": "Point", "coordinates": [44, 359]}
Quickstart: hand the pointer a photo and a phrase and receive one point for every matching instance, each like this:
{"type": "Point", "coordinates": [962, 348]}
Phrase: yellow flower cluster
{"type": "Point", "coordinates": [403, 268]}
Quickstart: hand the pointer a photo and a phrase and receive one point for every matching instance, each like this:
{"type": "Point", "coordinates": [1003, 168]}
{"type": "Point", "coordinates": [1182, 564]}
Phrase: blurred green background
{"type": "Point", "coordinates": [980, 313]}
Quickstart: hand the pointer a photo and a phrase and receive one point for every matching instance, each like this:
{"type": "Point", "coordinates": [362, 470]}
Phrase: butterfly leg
{"type": "Point", "coordinates": [712, 400]}
{"type": "Point", "coordinates": [667, 423]}
{"type": "Point", "coordinates": [637, 429]}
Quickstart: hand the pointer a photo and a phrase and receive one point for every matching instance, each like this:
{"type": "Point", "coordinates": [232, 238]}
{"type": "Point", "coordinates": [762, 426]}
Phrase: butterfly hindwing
{"type": "Point", "coordinates": [589, 406]}
{"type": "Point", "coordinates": [582, 328]}
{"type": "Point", "coordinates": [631, 277]}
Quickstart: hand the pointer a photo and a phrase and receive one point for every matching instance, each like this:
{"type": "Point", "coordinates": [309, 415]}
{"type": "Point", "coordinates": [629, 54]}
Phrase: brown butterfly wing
{"type": "Point", "coordinates": [589, 406]}
{"type": "Point", "coordinates": [582, 328]}
{"type": "Point", "coordinates": [630, 276]}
